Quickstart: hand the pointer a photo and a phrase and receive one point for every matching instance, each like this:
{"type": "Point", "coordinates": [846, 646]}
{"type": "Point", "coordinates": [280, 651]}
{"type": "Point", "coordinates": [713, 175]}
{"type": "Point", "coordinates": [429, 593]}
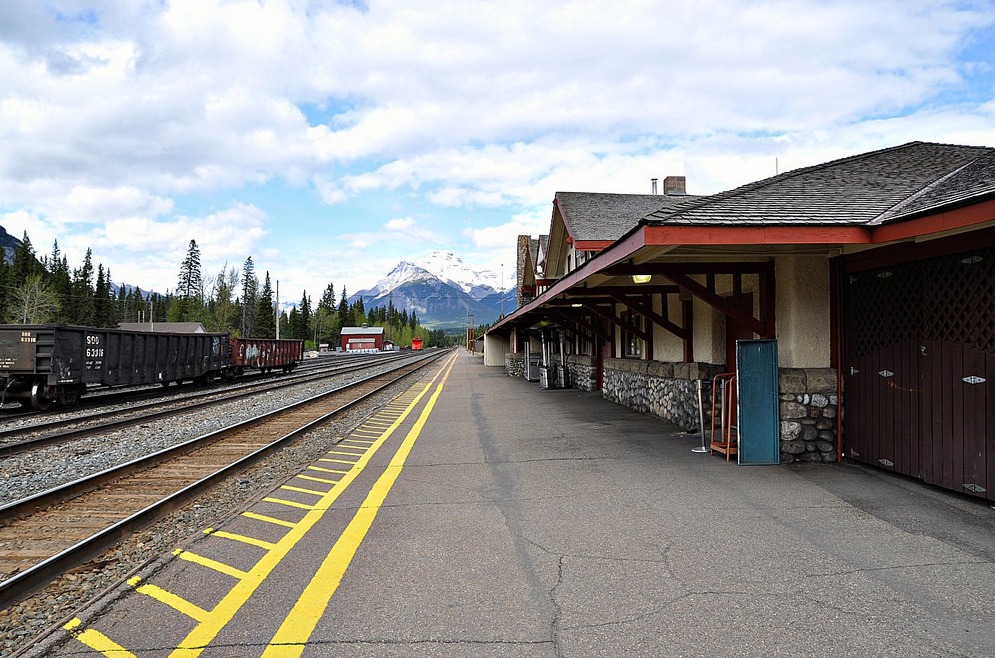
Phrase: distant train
{"type": "Point", "coordinates": [54, 363]}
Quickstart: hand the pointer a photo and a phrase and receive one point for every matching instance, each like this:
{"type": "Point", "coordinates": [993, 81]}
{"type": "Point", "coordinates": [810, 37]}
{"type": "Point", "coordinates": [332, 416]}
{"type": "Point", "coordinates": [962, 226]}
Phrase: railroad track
{"type": "Point", "coordinates": [47, 534]}
{"type": "Point", "coordinates": [45, 434]}
{"type": "Point", "coordinates": [102, 397]}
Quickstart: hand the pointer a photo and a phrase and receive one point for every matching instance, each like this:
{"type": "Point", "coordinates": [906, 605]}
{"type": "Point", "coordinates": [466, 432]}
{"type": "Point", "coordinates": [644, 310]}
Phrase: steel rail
{"type": "Point", "coordinates": [216, 397]}
{"type": "Point", "coordinates": [22, 584]}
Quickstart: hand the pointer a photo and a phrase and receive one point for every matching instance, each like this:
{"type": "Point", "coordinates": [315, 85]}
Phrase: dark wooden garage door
{"type": "Point", "coordinates": [919, 374]}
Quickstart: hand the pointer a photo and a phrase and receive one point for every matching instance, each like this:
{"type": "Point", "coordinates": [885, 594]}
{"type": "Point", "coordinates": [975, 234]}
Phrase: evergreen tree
{"type": "Point", "coordinates": [250, 297]}
{"type": "Point", "coordinates": [24, 264]}
{"type": "Point", "coordinates": [61, 281]}
{"type": "Point", "coordinates": [346, 318]}
{"type": "Point", "coordinates": [265, 317]}
{"type": "Point", "coordinates": [223, 315]}
{"type": "Point", "coordinates": [304, 327]}
{"type": "Point", "coordinates": [5, 288]}
{"type": "Point", "coordinates": [190, 285]}
{"type": "Point", "coordinates": [103, 308]}
{"type": "Point", "coordinates": [81, 301]}
{"type": "Point", "coordinates": [328, 298]}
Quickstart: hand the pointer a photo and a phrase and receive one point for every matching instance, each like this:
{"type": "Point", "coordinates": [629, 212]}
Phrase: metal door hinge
{"type": "Point", "coordinates": [974, 379]}
{"type": "Point", "coordinates": [974, 487]}
{"type": "Point", "coordinates": [886, 462]}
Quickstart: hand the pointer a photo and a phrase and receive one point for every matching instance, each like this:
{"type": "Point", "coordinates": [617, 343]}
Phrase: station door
{"type": "Point", "coordinates": [919, 370]}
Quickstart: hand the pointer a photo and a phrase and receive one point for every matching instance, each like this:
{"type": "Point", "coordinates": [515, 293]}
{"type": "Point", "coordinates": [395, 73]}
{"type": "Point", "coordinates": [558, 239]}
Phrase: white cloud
{"type": "Point", "coordinates": [117, 114]}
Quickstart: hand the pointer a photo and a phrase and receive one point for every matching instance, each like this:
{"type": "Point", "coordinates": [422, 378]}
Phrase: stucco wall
{"type": "Point", "coordinates": [667, 346]}
{"type": "Point", "coordinates": [495, 347]}
{"type": "Point", "coordinates": [803, 326]}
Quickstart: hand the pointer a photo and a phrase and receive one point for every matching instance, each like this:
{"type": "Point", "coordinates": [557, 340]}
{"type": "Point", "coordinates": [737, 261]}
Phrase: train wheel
{"type": "Point", "coordinates": [39, 400]}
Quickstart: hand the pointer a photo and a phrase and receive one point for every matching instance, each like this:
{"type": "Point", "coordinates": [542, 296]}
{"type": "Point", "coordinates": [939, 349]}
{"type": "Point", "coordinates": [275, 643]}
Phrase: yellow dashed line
{"type": "Point", "coordinates": [210, 623]}
{"type": "Point", "coordinates": [98, 641]}
{"type": "Point", "coordinates": [213, 565]}
{"type": "Point", "coordinates": [288, 503]}
{"type": "Point", "coordinates": [175, 602]}
{"type": "Point", "coordinates": [287, 487]}
{"type": "Point", "coordinates": [336, 461]}
{"type": "Point", "coordinates": [292, 636]}
{"type": "Point", "coordinates": [269, 519]}
{"type": "Point", "coordinates": [314, 479]}
{"type": "Point", "coordinates": [252, 541]}
{"type": "Point", "coordinates": [326, 470]}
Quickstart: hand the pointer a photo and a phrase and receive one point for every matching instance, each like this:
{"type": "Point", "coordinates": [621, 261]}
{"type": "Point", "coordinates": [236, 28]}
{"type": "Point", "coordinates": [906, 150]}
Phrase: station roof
{"type": "Point", "coordinates": [891, 195]}
{"type": "Point", "coordinates": [592, 216]}
{"type": "Point", "coordinates": [866, 189]}
{"type": "Point", "coordinates": [361, 331]}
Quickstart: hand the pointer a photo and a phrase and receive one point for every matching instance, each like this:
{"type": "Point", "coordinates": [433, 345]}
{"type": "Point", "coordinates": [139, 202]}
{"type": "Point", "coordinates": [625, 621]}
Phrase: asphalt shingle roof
{"type": "Point", "coordinates": [596, 216]}
{"type": "Point", "coordinates": [872, 187]}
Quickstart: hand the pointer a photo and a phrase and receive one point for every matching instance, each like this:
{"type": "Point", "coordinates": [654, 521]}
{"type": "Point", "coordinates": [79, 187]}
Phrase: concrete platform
{"type": "Point", "coordinates": [554, 523]}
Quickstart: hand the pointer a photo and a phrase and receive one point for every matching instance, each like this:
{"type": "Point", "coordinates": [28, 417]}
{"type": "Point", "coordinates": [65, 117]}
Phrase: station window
{"type": "Point", "coordinates": [632, 345]}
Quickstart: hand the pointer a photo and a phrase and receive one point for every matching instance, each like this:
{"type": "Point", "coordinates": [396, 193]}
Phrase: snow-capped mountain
{"type": "Point", "coordinates": [443, 265]}
{"type": "Point", "coordinates": [441, 289]}
{"type": "Point", "coordinates": [447, 266]}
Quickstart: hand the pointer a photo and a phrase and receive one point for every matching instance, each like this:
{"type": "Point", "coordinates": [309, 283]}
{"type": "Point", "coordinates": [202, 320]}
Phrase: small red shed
{"type": "Point", "coordinates": [366, 339]}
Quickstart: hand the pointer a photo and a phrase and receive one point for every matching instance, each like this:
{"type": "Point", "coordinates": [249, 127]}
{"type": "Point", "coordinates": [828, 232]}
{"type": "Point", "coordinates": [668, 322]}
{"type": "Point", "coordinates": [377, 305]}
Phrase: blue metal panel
{"type": "Point", "coordinates": [757, 395]}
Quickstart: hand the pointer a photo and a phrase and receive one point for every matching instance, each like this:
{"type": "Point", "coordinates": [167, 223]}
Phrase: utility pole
{"type": "Point", "coordinates": [278, 309]}
{"type": "Point", "coordinates": [502, 290]}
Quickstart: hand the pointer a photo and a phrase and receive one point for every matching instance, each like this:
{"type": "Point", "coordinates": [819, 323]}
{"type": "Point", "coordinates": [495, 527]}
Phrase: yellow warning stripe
{"type": "Point", "coordinates": [292, 636]}
{"type": "Point", "coordinates": [213, 565]}
{"type": "Point", "coordinates": [202, 634]}
{"type": "Point", "coordinates": [97, 640]}
{"type": "Point", "coordinates": [252, 541]}
{"type": "Point", "coordinates": [269, 519]}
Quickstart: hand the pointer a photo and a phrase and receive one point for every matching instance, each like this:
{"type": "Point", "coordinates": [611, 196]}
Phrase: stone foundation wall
{"type": "Point", "coordinates": [514, 364]}
{"type": "Point", "coordinates": [583, 371]}
{"type": "Point", "coordinates": [809, 409]}
{"type": "Point", "coordinates": [667, 390]}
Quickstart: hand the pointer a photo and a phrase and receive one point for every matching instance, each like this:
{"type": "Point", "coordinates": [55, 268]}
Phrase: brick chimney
{"type": "Point", "coordinates": [674, 186]}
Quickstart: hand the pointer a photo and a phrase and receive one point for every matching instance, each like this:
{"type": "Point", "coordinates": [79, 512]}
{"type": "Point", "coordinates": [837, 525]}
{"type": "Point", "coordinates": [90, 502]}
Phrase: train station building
{"type": "Point", "coordinates": [857, 295]}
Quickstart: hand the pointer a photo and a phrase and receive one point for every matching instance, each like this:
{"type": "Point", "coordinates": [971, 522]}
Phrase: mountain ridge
{"type": "Point", "coordinates": [442, 290]}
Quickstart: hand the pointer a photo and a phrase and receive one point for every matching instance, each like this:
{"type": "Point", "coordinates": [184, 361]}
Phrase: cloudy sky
{"type": "Point", "coordinates": [329, 140]}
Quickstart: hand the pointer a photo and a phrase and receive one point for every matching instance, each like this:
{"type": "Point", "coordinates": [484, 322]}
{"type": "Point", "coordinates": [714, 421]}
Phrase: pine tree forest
{"type": "Point", "coordinates": [234, 300]}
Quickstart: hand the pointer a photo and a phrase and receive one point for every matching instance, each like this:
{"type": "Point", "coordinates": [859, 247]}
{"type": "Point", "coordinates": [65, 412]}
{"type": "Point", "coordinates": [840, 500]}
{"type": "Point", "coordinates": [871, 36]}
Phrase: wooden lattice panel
{"type": "Point", "coordinates": [951, 299]}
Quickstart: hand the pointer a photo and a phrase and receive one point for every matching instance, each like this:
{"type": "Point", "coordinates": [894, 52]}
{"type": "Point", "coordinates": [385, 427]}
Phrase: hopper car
{"type": "Point", "coordinates": [54, 363]}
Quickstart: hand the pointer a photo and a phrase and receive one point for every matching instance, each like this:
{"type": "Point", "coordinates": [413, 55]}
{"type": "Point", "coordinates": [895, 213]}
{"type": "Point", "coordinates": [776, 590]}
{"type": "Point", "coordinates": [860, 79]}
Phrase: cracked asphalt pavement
{"type": "Point", "coordinates": [557, 524]}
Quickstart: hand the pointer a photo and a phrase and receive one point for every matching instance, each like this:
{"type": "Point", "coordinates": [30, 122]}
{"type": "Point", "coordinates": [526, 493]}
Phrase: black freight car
{"type": "Point", "coordinates": [41, 364]}
{"type": "Point", "coordinates": [264, 354]}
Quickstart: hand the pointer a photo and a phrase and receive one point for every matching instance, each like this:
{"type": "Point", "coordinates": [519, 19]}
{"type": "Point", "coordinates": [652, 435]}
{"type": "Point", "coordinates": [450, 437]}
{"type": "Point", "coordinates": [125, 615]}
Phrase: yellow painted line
{"type": "Point", "coordinates": [336, 461]}
{"type": "Point", "coordinates": [292, 636]}
{"type": "Point", "coordinates": [98, 641]}
{"type": "Point", "coordinates": [213, 565]}
{"type": "Point", "coordinates": [269, 519]}
{"type": "Point", "coordinates": [288, 503]}
{"type": "Point", "coordinates": [343, 452]}
{"type": "Point", "coordinates": [314, 479]}
{"type": "Point", "coordinates": [175, 602]}
{"type": "Point", "coordinates": [201, 635]}
{"type": "Point", "coordinates": [252, 541]}
{"type": "Point", "coordinates": [360, 441]}
{"type": "Point", "coordinates": [326, 470]}
{"type": "Point", "coordinates": [287, 487]}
